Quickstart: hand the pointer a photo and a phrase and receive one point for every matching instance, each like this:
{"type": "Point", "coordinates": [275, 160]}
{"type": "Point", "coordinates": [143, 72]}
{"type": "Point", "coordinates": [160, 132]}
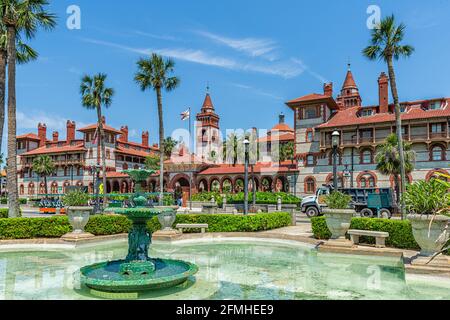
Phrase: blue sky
{"type": "Point", "coordinates": [255, 55]}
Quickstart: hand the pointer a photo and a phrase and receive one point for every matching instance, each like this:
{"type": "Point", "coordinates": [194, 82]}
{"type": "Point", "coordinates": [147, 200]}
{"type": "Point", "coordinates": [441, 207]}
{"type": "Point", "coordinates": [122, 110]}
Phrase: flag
{"type": "Point", "coordinates": [186, 115]}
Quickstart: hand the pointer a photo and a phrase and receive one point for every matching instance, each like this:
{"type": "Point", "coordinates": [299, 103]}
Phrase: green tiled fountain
{"type": "Point", "coordinates": [137, 272]}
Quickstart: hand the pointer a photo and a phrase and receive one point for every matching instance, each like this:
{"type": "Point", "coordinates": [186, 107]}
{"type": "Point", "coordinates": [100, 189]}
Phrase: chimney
{"type": "Point", "coordinates": [156, 146]}
{"type": "Point", "coordinates": [282, 118]}
{"type": "Point", "coordinates": [124, 136]}
{"type": "Point", "coordinates": [42, 133]}
{"type": "Point", "coordinates": [55, 136]}
{"type": "Point", "coordinates": [383, 92]}
{"type": "Point", "coordinates": [328, 89]}
{"type": "Point", "coordinates": [145, 138]}
{"type": "Point", "coordinates": [70, 135]}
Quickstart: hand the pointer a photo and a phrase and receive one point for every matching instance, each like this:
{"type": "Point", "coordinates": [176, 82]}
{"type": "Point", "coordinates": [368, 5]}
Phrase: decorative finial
{"type": "Point", "coordinates": [207, 87]}
{"type": "Point", "coordinates": [349, 64]}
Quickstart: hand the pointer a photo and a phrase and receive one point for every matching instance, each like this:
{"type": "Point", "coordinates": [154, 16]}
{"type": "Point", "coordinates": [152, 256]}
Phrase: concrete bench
{"type": "Point", "coordinates": [380, 237]}
{"type": "Point", "coordinates": [182, 226]}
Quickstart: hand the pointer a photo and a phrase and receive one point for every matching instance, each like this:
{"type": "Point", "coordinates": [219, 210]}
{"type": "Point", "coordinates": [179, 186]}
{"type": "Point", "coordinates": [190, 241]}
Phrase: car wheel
{"type": "Point", "coordinates": [385, 214]}
{"type": "Point", "coordinates": [366, 213]}
{"type": "Point", "coordinates": [312, 212]}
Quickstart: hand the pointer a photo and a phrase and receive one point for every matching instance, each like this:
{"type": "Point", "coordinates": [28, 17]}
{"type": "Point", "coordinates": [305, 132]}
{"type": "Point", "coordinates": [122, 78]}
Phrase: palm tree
{"type": "Point", "coordinates": [94, 95]}
{"type": "Point", "coordinates": [389, 163]}
{"type": "Point", "coordinates": [43, 166]}
{"type": "Point", "coordinates": [169, 145]}
{"type": "Point", "coordinates": [24, 54]}
{"type": "Point", "coordinates": [153, 73]}
{"type": "Point", "coordinates": [19, 16]}
{"type": "Point", "coordinates": [386, 45]}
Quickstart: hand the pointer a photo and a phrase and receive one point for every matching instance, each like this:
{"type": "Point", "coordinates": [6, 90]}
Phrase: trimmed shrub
{"type": "Point", "coordinates": [261, 197]}
{"type": "Point", "coordinates": [400, 232]}
{"type": "Point", "coordinates": [55, 227]}
{"type": "Point", "coordinates": [4, 213]}
{"type": "Point", "coordinates": [5, 200]}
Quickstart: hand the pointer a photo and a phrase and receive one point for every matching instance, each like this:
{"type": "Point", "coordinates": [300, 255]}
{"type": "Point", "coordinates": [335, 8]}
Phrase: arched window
{"type": "Point", "coordinates": [108, 154]}
{"type": "Point", "coordinates": [215, 186]}
{"type": "Point", "coordinates": [31, 188]}
{"type": "Point", "coordinates": [367, 181]}
{"type": "Point", "coordinates": [21, 189]}
{"type": "Point", "coordinates": [437, 153]}
{"type": "Point", "coordinates": [310, 185]}
{"type": "Point", "coordinates": [54, 188]}
{"type": "Point", "coordinates": [125, 166]}
{"type": "Point", "coordinates": [366, 156]}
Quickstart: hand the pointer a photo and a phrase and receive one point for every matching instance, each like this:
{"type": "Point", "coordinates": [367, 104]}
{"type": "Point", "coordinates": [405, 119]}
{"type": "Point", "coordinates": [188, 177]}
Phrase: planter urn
{"type": "Point", "coordinates": [430, 239]}
{"type": "Point", "coordinates": [167, 219]}
{"type": "Point", "coordinates": [338, 221]}
{"type": "Point", "coordinates": [78, 219]}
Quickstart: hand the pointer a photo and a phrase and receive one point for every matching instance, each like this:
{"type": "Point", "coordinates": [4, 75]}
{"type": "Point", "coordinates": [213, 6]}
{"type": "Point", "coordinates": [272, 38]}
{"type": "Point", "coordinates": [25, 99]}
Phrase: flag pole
{"type": "Point", "coordinates": [190, 156]}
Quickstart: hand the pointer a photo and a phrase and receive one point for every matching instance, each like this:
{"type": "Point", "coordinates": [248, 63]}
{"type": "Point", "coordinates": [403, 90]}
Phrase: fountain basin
{"type": "Point", "coordinates": [107, 276]}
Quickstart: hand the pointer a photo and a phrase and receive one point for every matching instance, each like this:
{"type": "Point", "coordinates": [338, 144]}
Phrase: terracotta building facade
{"type": "Point", "coordinates": [425, 124]}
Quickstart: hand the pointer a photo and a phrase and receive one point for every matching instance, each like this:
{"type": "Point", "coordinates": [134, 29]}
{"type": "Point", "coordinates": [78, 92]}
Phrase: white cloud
{"type": "Point", "coordinates": [286, 69]}
{"type": "Point", "coordinates": [257, 91]}
{"type": "Point", "coordinates": [251, 46]}
{"type": "Point", "coordinates": [29, 122]}
{"type": "Point", "coordinates": [316, 75]}
{"type": "Point", "coordinates": [155, 36]}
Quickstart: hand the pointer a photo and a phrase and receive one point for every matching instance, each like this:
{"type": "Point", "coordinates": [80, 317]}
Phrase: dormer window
{"type": "Point", "coordinates": [435, 105]}
{"type": "Point", "coordinates": [366, 112]}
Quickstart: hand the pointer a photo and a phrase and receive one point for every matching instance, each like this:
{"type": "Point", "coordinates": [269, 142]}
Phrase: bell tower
{"type": "Point", "coordinates": [207, 131]}
{"type": "Point", "coordinates": [349, 96]}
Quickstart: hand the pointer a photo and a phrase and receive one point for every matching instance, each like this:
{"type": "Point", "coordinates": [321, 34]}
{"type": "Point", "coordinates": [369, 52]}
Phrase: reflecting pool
{"type": "Point", "coordinates": [227, 270]}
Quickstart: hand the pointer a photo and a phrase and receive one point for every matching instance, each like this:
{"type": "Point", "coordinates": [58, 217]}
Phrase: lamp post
{"type": "Point", "coordinates": [95, 177]}
{"type": "Point", "coordinates": [246, 150]}
{"type": "Point", "coordinates": [335, 139]}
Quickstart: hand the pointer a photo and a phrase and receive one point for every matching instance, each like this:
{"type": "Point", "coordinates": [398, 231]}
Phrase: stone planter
{"type": "Point", "coordinates": [78, 219]}
{"type": "Point", "coordinates": [167, 219]}
{"type": "Point", "coordinates": [338, 221]}
{"type": "Point", "coordinates": [431, 240]}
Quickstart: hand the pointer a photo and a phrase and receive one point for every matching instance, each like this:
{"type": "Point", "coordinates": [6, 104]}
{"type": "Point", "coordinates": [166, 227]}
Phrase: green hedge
{"type": "Point", "coordinates": [261, 197]}
{"type": "Point", "coordinates": [400, 232]}
{"type": "Point", "coordinates": [55, 227]}
{"type": "Point", "coordinates": [5, 200]}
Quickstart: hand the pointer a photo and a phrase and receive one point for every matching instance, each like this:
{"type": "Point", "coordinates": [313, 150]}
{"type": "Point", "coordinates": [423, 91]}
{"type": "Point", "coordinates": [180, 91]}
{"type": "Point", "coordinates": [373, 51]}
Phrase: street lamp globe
{"type": "Point", "coordinates": [335, 137]}
{"type": "Point", "coordinates": [246, 145]}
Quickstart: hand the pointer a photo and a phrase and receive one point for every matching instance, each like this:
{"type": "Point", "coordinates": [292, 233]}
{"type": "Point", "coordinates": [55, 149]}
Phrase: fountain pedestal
{"type": "Point", "coordinates": [137, 272]}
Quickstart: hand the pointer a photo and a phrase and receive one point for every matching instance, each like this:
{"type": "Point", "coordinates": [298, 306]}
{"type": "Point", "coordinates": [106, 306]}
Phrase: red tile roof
{"type": "Point", "coordinates": [260, 168]}
{"type": "Point", "coordinates": [105, 127]}
{"type": "Point", "coordinates": [207, 104]}
{"type": "Point", "coordinates": [55, 149]}
{"type": "Point", "coordinates": [132, 152]}
{"type": "Point", "coordinates": [116, 174]}
{"type": "Point", "coordinates": [30, 136]}
{"type": "Point", "coordinates": [282, 127]}
{"type": "Point", "coordinates": [349, 81]}
{"type": "Point", "coordinates": [314, 98]}
{"type": "Point", "coordinates": [349, 116]}
{"type": "Point", "coordinates": [137, 144]}
{"type": "Point", "coordinates": [281, 137]}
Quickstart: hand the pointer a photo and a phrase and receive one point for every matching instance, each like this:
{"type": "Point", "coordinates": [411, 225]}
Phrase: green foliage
{"type": "Point", "coordinates": [400, 231]}
{"type": "Point", "coordinates": [427, 197]}
{"type": "Point", "coordinates": [22, 201]}
{"type": "Point", "coordinates": [261, 197]}
{"type": "Point", "coordinates": [43, 166]}
{"type": "Point", "coordinates": [169, 145]}
{"type": "Point", "coordinates": [338, 200]}
{"type": "Point", "coordinates": [75, 198]}
{"type": "Point", "coordinates": [55, 227]}
{"type": "Point", "coordinates": [4, 213]}
{"type": "Point", "coordinates": [207, 196]}
{"type": "Point", "coordinates": [152, 162]}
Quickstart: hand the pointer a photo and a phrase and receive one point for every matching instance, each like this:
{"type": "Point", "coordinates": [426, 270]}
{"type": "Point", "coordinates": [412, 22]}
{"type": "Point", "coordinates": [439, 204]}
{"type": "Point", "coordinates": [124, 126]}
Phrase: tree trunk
{"type": "Point", "coordinates": [2, 94]}
{"type": "Point", "coordinates": [13, 193]}
{"type": "Point", "coordinates": [102, 147]}
{"type": "Point", "coordinates": [45, 187]}
{"type": "Point", "coordinates": [398, 121]}
{"type": "Point", "coordinates": [397, 188]}
{"type": "Point", "coordinates": [161, 145]}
